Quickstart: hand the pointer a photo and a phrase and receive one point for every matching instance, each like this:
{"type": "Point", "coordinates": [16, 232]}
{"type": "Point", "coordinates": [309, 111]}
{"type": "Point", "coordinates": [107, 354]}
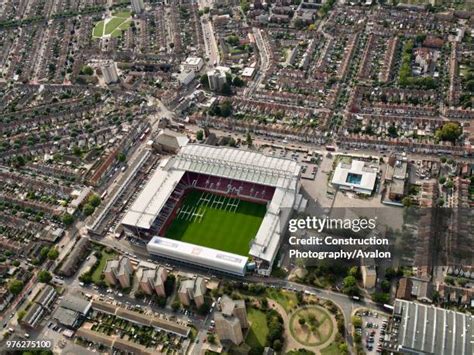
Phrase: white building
{"type": "Point", "coordinates": [194, 64]}
{"type": "Point", "coordinates": [137, 6]}
{"type": "Point", "coordinates": [186, 77]}
{"type": "Point", "coordinates": [109, 71]}
{"type": "Point", "coordinates": [357, 176]}
{"type": "Point", "coordinates": [217, 79]}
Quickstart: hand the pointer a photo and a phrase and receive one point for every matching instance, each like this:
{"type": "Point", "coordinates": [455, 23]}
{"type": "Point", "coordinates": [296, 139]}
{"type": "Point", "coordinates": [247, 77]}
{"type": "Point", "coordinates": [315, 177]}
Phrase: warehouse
{"type": "Point", "coordinates": [426, 329]}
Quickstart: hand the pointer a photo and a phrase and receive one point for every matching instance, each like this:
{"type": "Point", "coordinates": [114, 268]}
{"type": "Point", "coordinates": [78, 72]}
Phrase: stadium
{"type": "Point", "coordinates": [219, 208]}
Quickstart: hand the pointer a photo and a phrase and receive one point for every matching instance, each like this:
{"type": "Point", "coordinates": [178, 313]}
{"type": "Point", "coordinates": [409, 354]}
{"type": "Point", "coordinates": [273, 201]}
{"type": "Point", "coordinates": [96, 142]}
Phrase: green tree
{"type": "Point", "coordinates": [302, 321]}
{"type": "Point", "coordinates": [248, 140]}
{"type": "Point", "coordinates": [211, 338]}
{"type": "Point", "coordinates": [121, 157]}
{"type": "Point", "coordinates": [15, 286]}
{"type": "Point", "coordinates": [44, 276]}
{"type": "Point", "coordinates": [67, 219]}
{"type": "Point", "coordinates": [53, 254]}
{"type": "Point", "coordinates": [350, 285]}
{"type": "Point", "coordinates": [237, 81]}
{"type": "Point", "coordinates": [450, 132]}
{"type": "Point", "coordinates": [88, 209]}
{"type": "Point", "coordinates": [442, 180]}
{"type": "Point", "coordinates": [176, 305]}
{"type": "Point", "coordinates": [407, 201]}
{"type": "Point", "coordinates": [21, 314]}
{"type": "Point", "coordinates": [94, 200]}
{"type": "Point", "coordinates": [87, 70]}
{"type": "Point", "coordinates": [200, 135]}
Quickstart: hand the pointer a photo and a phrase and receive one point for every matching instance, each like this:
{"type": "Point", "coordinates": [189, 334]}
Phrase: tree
{"type": "Point", "coordinates": [356, 321]}
{"type": "Point", "coordinates": [53, 254]}
{"type": "Point", "coordinates": [200, 135]}
{"type": "Point", "coordinates": [442, 180]}
{"type": "Point", "coordinates": [350, 285]}
{"type": "Point", "coordinates": [15, 286]}
{"type": "Point", "coordinates": [88, 209]}
{"type": "Point", "coordinates": [204, 80]}
{"type": "Point", "coordinates": [343, 349]}
{"type": "Point", "coordinates": [449, 184]}
{"type": "Point", "coordinates": [450, 132]}
{"type": "Point", "coordinates": [176, 305]}
{"type": "Point", "coordinates": [226, 108]}
{"type": "Point", "coordinates": [385, 285]}
{"type": "Point", "coordinates": [121, 157]}
{"type": "Point", "coordinates": [204, 309]}
{"type": "Point", "coordinates": [407, 201]}
{"type": "Point", "coordinates": [237, 81]}
{"type": "Point", "coordinates": [21, 314]}
{"type": "Point", "coordinates": [248, 140]}
{"type": "Point", "coordinates": [94, 200]}
{"type": "Point", "coordinates": [87, 70]}
{"type": "Point", "coordinates": [392, 131]}
{"type": "Point", "coordinates": [67, 219]}
{"type": "Point", "coordinates": [211, 338]}
{"type": "Point", "coordinates": [277, 345]}
{"type": "Point", "coordinates": [380, 297]}
{"type": "Point", "coordinates": [226, 90]}
{"type": "Point", "coordinates": [44, 276]}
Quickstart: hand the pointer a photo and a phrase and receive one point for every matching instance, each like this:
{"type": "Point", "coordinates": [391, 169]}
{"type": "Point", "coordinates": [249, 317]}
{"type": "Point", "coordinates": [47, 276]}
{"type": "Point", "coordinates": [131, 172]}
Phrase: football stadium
{"type": "Point", "coordinates": [218, 208]}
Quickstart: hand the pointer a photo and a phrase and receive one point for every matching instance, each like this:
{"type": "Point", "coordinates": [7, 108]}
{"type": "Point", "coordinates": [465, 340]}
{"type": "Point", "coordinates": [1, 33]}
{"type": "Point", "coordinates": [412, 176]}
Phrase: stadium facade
{"type": "Point", "coordinates": [244, 174]}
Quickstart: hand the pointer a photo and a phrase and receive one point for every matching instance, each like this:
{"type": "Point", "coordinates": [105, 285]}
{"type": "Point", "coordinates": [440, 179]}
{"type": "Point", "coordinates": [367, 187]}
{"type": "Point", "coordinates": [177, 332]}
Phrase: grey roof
{"type": "Point", "coordinates": [66, 316]}
{"type": "Point", "coordinates": [434, 330]}
{"type": "Point", "coordinates": [46, 295]}
{"type": "Point", "coordinates": [76, 304]}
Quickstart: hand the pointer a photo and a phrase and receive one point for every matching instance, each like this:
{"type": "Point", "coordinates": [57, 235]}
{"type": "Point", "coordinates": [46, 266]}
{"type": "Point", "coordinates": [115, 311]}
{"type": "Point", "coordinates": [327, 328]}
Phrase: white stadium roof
{"type": "Point", "coordinates": [238, 164]}
{"type": "Point", "coordinates": [190, 253]}
{"type": "Point", "coordinates": [151, 200]}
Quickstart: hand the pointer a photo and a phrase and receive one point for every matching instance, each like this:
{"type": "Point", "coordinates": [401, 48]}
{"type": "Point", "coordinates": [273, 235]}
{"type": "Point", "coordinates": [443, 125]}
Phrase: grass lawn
{"type": "Point", "coordinates": [286, 299]}
{"type": "Point", "coordinates": [119, 22]}
{"type": "Point", "coordinates": [332, 349]}
{"type": "Point", "coordinates": [99, 29]}
{"type": "Point", "coordinates": [114, 23]}
{"type": "Point", "coordinates": [122, 14]}
{"type": "Point", "coordinates": [103, 260]}
{"type": "Point", "coordinates": [258, 331]}
{"type": "Point", "coordinates": [217, 222]}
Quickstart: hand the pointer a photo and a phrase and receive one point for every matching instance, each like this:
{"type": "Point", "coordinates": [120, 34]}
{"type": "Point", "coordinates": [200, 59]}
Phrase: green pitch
{"type": "Point", "coordinates": [217, 222]}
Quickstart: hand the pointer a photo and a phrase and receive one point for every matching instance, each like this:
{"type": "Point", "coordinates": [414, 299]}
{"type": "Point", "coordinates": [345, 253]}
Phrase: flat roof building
{"type": "Point", "coordinates": [431, 330]}
{"type": "Point", "coordinates": [357, 176]}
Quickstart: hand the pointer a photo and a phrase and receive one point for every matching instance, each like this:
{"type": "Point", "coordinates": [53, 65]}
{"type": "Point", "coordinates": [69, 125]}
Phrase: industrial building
{"type": "Point", "coordinates": [425, 329]}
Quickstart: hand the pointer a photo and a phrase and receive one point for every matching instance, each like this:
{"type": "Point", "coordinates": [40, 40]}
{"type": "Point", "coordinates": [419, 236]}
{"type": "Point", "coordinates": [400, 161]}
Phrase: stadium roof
{"type": "Point", "coordinates": [242, 165]}
{"type": "Point", "coordinates": [190, 253]}
{"type": "Point", "coordinates": [267, 240]}
{"type": "Point", "coordinates": [151, 200]}
{"type": "Point", "coordinates": [432, 330]}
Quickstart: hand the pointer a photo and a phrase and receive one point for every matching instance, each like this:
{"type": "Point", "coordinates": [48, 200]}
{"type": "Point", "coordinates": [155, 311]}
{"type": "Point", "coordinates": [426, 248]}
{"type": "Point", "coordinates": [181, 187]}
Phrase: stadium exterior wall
{"type": "Point", "coordinates": [191, 254]}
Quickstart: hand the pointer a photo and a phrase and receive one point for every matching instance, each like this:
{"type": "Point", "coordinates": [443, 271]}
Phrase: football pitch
{"type": "Point", "coordinates": [218, 222]}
